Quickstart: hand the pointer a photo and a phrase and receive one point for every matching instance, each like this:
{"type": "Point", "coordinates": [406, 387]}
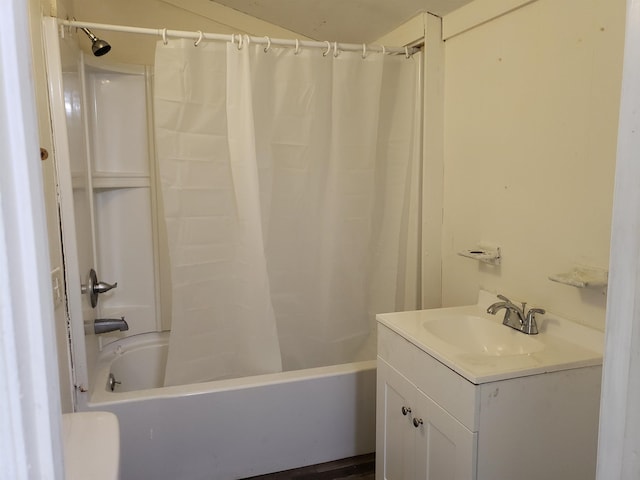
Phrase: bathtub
{"type": "Point", "coordinates": [231, 429]}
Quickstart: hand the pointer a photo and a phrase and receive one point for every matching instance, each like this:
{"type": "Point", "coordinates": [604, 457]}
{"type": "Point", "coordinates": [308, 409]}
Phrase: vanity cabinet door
{"type": "Point", "coordinates": [416, 438]}
{"type": "Point", "coordinates": [445, 449]}
{"type": "Point", "coordinates": [395, 434]}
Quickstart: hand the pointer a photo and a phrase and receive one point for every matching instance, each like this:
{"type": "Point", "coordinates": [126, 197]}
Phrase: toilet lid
{"type": "Point", "coordinates": [91, 444]}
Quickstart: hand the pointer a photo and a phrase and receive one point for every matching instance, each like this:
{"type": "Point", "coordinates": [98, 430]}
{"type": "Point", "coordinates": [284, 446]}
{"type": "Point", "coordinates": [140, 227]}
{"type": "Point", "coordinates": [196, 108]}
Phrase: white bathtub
{"type": "Point", "coordinates": [231, 429]}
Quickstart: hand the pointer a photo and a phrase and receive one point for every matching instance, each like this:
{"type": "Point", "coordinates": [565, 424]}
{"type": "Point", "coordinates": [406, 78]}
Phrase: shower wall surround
{"type": "Point", "coordinates": [123, 195]}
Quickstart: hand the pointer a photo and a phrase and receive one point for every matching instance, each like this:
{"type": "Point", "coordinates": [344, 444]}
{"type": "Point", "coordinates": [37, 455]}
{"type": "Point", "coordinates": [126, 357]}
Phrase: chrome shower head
{"type": "Point", "coordinates": [98, 46]}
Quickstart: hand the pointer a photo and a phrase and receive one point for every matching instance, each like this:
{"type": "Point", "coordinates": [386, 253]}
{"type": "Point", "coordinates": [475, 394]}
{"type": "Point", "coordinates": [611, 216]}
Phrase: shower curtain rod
{"type": "Point", "coordinates": [198, 36]}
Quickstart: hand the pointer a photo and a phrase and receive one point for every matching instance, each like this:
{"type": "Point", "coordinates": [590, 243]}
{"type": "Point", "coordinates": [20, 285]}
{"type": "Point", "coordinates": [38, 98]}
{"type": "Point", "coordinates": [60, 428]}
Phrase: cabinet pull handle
{"type": "Point", "coordinates": [417, 422]}
{"type": "Point", "coordinates": [405, 410]}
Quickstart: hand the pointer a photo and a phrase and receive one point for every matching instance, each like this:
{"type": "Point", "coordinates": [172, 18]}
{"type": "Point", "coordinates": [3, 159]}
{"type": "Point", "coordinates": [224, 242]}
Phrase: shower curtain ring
{"type": "Point", "coordinates": [239, 41]}
{"type": "Point", "coordinates": [297, 50]}
{"type": "Point", "coordinates": [406, 52]}
{"type": "Point", "coordinates": [200, 36]}
{"type": "Point", "coordinates": [268, 47]}
{"type": "Point", "coordinates": [324, 54]}
{"type": "Point", "coordinates": [335, 49]}
{"type": "Point", "coordinates": [247, 40]}
{"type": "Point", "coordinates": [384, 50]}
{"type": "Point", "coordinates": [164, 36]}
{"type": "Point", "coordinates": [364, 51]}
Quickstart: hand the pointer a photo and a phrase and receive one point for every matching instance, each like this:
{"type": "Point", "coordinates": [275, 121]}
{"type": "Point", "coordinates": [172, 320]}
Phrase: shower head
{"type": "Point", "coordinates": [98, 46]}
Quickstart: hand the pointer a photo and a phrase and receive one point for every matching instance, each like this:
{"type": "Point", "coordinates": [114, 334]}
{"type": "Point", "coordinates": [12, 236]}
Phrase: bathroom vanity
{"type": "Point", "coordinates": [462, 397]}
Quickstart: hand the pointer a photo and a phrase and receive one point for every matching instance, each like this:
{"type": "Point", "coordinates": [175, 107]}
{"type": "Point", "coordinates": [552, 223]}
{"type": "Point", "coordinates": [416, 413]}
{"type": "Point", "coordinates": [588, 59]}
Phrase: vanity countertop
{"type": "Point", "coordinates": [477, 346]}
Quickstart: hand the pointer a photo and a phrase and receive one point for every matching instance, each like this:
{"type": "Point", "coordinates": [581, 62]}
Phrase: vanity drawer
{"type": "Point", "coordinates": [445, 387]}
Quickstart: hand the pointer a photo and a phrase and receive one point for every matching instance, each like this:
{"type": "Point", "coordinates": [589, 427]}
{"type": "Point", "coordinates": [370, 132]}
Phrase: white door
{"type": "Point", "coordinates": [445, 449]}
{"type": "Point", "coordinates": [66, 103]}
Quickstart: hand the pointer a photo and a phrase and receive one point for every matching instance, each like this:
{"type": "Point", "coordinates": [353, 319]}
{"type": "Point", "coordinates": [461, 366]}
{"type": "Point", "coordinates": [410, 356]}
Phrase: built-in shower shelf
{"type": "Point", "coordinates": [104, 181]}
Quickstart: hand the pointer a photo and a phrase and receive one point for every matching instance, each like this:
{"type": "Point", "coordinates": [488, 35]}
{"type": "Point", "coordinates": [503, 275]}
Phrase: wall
{"type": "Point", "coordinates": [531, 110]}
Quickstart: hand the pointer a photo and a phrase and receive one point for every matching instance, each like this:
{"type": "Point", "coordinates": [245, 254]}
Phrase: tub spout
{"type": "Point", "coordinates": [106, 325]}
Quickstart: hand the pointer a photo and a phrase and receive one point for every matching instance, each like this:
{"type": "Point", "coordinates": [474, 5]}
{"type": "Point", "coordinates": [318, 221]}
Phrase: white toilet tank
{"type": "Point", "coordinates": [91, 444]}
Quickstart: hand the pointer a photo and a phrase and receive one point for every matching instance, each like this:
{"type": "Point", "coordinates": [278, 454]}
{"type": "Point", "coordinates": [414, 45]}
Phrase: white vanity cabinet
{"type": "Point", "coordinates": [541, 426]}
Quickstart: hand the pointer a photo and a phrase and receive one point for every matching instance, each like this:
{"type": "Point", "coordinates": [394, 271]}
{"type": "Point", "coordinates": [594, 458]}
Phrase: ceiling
{"type": "Point", "coordinates": [349, 21]}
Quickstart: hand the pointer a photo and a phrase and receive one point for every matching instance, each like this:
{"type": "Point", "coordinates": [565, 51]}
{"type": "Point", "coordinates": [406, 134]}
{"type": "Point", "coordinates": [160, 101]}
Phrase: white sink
{"type": "Point", "coordinates": [476, 345]}
{"type": "Point", "coordinates": [472, 334]}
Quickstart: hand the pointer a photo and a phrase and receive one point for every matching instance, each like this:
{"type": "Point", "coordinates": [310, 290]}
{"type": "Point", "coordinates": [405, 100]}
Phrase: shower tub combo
{"type": "Point", "coordinates": [230, 429]}
{"type": "Point", "coordinates": [252, 425]}
{"type": "Point", "coordinates": [225, 429]}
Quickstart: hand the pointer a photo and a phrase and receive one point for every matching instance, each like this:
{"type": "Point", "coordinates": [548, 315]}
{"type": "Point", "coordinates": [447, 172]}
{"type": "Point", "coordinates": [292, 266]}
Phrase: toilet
{"type": "Point", "coordinates": [91, 445]}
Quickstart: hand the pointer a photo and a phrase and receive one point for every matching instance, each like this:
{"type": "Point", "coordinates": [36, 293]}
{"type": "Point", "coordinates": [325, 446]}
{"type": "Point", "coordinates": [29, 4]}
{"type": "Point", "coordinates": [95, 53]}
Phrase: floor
{"type": "Point", "coordinates": [354, 468]}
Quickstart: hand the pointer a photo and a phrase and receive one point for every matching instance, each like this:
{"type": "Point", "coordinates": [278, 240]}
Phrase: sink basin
{"type": "Point", "coordinates": [476, 345]}
{"type": "Point", "coordinates": [473, 334]}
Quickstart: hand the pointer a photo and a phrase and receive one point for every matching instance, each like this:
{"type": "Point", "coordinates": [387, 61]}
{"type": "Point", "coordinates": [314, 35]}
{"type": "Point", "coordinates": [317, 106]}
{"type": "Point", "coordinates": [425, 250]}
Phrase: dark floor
{"type": "Point", "coordinates": [354, 468]}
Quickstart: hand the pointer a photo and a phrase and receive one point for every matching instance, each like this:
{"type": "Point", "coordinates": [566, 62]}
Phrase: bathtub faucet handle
{"type": "Point", "coordinates": [93, 287]}
{"type": "Point", "coordinates": [102, 287]}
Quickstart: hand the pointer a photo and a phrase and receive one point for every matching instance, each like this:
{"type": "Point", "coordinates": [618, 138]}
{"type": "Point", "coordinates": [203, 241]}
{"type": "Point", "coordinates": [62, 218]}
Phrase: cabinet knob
{"type": "Point", "coordinates": [406, 410]}
{"type": "Point", "coordinates": [417, 422]}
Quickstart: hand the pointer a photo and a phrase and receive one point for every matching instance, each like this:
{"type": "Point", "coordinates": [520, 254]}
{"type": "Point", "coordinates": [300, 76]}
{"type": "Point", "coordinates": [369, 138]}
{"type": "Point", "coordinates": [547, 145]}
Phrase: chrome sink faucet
{"type": "Point", "coordinates": [517, 317]}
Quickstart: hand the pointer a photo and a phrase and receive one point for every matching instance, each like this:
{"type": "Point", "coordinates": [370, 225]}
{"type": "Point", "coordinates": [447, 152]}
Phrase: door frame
{"type": "Point", "coordinates": [30, 417]}
{"type": "Point", "coordinates": [73, 281]}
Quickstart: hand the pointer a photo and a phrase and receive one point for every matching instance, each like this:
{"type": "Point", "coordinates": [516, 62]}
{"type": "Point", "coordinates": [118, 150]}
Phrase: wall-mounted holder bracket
{"type": "Point", "coordinates": [583, 277]}
{"type": "Point", "coordinates": [484, 254]}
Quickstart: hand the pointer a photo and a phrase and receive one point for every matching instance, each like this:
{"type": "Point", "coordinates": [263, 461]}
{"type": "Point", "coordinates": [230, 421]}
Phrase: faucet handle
{"type": "Point", "coordinates": [505, 299]}
{"type": "Point", "coordinates": [532, 312]}
{"type": "Point", "coordinates": [93, 287]}
{"type": "Point", "coordinates": [102, 287]}
{"type": "Point", "coordinates": [531, 325]}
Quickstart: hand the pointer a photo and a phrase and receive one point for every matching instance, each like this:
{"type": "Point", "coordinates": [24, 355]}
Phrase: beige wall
{"type": "Point", "coordinates": [531, 110]}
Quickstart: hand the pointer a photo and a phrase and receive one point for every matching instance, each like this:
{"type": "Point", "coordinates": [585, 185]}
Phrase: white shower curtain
{"type": "Point", "coordinates": [290, 188]}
